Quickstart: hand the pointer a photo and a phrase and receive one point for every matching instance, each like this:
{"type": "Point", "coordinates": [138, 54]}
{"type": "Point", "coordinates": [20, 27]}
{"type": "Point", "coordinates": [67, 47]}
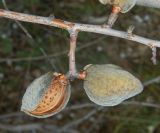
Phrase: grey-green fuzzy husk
{"type": "Point", "coordinates": [109, 85]}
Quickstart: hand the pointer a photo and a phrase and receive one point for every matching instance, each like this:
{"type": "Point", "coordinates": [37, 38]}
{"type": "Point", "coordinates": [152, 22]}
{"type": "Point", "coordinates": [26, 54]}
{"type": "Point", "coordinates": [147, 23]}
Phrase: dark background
{"type": "Point", "coordinates": [21, 61]}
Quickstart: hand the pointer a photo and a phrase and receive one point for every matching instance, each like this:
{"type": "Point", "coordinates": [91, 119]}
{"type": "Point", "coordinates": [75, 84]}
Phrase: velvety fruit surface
{"type": "Point", "coordinates": [109, 85]}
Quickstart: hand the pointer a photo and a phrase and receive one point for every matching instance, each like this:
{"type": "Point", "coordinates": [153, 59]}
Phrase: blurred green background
{"type": "Point", "coordinates": [21, 61]}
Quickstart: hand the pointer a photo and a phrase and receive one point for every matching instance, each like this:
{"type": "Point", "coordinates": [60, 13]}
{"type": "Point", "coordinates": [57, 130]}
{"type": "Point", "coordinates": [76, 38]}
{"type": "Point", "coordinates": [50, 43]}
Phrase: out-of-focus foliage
{"type": "Point", "coordinates": [22, 61]}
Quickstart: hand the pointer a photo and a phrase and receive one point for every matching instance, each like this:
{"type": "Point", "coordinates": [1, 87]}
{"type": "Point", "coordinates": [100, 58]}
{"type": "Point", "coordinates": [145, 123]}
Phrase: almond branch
{"type": "Point", "coordinates": [70, 26]}
{"type": "Point", "coordinates": [100, 29]}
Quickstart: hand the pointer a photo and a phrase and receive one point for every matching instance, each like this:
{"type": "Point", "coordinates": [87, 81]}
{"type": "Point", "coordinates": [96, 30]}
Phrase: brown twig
{"type": "Point", "coordinates": [79, 121]}
{"type": "Point", "coordinates": [154, 80]}
{"type": "Point", "coordinates": [38, 58]}
{"type": "Point", "coordinates": [18, 23]}
{"type": "Point", "coordinates": [73, 29]}
{"type": "Point", "coordinates": [29, 36]}
{"type": "Point", "coordinates": [86, 105]}
{"type": "Point", "coordinates": [100, 29]}
{"type": "Point", "coordinates": [19, 128]}
{"type": "Point", "coordinates": [33, 127]}
{"type": "Point", "coordinates": [72, 64]}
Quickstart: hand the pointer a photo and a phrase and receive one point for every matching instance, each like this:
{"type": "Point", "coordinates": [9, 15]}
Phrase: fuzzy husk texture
{"type": "Point", "coordinates": [109, 85]}
{"type": "Point", "coordinates": [125, 5]}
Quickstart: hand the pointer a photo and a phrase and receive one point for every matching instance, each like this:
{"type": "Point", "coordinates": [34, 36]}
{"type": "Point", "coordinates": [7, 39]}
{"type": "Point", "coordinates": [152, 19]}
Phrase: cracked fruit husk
{"type": "Point", "coordinates": [46, 95]}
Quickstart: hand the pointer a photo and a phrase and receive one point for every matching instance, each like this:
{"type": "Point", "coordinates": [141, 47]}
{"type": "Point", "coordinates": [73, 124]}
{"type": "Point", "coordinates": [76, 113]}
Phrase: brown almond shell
{"type": "Point", "coordinates": [54, 98]}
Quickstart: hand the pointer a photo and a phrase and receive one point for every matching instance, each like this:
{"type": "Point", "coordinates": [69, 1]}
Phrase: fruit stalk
{"type": "Point", "coordinates": [72, 62]}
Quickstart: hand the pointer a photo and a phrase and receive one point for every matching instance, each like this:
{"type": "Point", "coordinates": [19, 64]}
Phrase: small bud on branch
{"type": "Point", "coordinates": [70, 26]}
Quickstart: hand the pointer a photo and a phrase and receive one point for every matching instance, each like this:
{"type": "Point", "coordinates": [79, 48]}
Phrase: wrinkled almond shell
{"type": "Point", "coordinates": [51, 94]}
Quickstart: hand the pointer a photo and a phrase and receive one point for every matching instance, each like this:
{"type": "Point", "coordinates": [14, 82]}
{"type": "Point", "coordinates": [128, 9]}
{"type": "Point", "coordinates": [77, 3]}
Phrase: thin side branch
{"type": "Point", "coordinates": [37, 58]}
{"type": "Point", "coordinates": [100, 29]}
{"type": "Point", "coordinates": [143, 104]}
{"type": "Point", "coordinates": [17, 22]}
{"type": "Point", "coordinates": [154, 80]}
{"type": "Point", "coordinates": [19, 128]}
{"type": "Point", "coordinates": [81, 120]}
{"type": "Point", "coordinates": [72, 63]}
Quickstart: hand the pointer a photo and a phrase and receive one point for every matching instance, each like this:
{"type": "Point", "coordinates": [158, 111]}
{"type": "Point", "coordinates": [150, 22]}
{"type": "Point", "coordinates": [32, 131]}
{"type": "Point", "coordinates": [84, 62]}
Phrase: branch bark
{"type": "Point", "coordinates": [100, 29]}
{"type": "Point", "coordinates": [72, 62]}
